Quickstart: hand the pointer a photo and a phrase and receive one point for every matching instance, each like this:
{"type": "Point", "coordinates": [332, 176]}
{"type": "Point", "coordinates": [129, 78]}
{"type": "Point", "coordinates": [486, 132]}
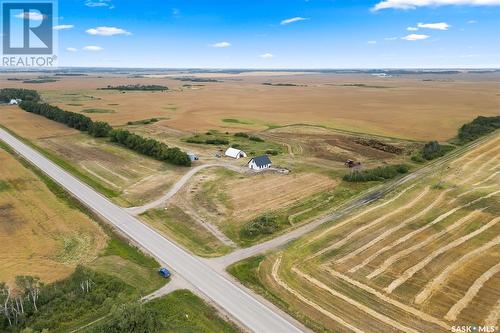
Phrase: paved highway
{"type": "Point", "coordinates": [243, 306]}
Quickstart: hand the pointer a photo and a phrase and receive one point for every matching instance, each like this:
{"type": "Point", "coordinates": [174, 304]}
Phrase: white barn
{"type": "Point", "coordinates": [14, 101]}
{"type": "Point", "coordinates": [260, 163]}
{"type": "Point", "coordinates": [235, 153]}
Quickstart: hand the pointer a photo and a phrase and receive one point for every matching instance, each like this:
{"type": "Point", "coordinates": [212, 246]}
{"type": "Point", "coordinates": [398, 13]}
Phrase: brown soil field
{"type": "Point", "coordinates": [405, 107]}
{"type": "Point", "coordinates": [259, 194]}
{"type": "Point", "coordinates": [423, 260]}
{"type": "Point", "coordinates": [40, 235]}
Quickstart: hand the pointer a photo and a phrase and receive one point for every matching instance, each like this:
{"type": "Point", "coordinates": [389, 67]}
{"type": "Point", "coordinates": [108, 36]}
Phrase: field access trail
{"type": "Point", "coordinates": [246, 308]}
{"type": "Point", "coordinates": [178, 185]}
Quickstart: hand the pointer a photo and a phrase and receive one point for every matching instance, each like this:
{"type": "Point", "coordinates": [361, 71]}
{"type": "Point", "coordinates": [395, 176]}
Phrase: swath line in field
{"type": "Point", "coordinates": [336, 226]}
{"type": "Point", "coordinates": [440, 280]}
{"type": "Point", "coordinates": [403, 253]}
{"type": "Point", "coordinates": [344, 240]}
{"type": "Point", "coordinates": [494, 315]}
{"type": "Point", "coordinates": [423, 228]}
{"type": "Point", "coordinates": [385, 298]}
{"type": "Point", "coordinates": [471, 293]}
{"type": "Point", "coordinates": [325, 312]}
{"type": "Point", "coordinates": [387, 233]}
{"type": "Point", "coordinates": [385, 248]}
{"type": "Point", "coordinates": [360, 306]}
{"type": "Point", "coordinates": [422, 263]}
{"type": "Point", "coordinates": [485, 180]}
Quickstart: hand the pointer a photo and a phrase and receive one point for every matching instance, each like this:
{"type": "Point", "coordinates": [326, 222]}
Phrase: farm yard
{"type": "Point", "coordinates": [421, 260]}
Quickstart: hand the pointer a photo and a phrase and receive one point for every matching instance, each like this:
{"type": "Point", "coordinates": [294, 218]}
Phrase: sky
{"type": "Point", "coordinates": [279, 33]}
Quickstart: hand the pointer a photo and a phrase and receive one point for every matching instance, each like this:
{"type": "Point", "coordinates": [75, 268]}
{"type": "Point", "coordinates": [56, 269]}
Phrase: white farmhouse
{"type": "Point", "coordinates": [235, 153]}
{"type": "Point", "coordinates": [260, 163]}
{"type": "Point", "coordinates": [14, 101]}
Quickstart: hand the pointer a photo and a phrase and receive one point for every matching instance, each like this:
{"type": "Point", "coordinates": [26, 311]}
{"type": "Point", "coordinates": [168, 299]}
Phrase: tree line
{"type": "Point", "coordinates": [149, 147]}
{"type": "Point", "coordinates": [478, 128]}
{"type": "Point", "coordinates": [137, 87]}
{"type": "Point", "coordinates": [101, 129]}
{"type": "Point", "coordinates": [7, 94]}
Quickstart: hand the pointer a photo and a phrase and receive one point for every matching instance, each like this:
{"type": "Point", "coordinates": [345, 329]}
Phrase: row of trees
{"type": "Point", "coordinates": [137, 87]}
{"type": "Point", "coordinates": [72, 119]}
{"type": "Point", "coordinates": [149, 147]}
{"type": "Point", "coordinates": [7, 94]}
{"type": "Point", "coordinates": [477, 128]}
{"type": "Point", "coordinates": [101, 129]}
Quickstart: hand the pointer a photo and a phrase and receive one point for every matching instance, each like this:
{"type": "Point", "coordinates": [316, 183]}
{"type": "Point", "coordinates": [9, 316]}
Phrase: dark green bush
{"type": "Point", "coordinates": [477, 128]}
{"type": "Point", "coordinates": [263, 225]}
{"type": "Point", "coordinates": [256, 139]}
{"type": "Point", "coordinates": [241, 135]}
{"type": "Point", "coordinates": [377, 174]}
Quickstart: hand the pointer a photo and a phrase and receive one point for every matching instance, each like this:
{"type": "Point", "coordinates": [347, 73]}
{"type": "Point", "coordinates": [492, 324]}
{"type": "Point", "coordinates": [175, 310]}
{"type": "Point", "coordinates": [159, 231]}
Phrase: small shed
{"type": "Point", "coordinates": [260, 163]}
{"type": "Point", "coordinates": [193, 157]}
{"type": "Point", "coordinates": [235, 153]}
{"type": "Point", "coordinates": [14, 101]}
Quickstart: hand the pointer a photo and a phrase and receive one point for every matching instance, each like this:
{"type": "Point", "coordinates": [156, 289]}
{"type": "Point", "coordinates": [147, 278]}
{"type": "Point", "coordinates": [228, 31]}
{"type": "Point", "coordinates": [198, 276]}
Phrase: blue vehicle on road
{"type": "Point", "coordinates": [164, 272]}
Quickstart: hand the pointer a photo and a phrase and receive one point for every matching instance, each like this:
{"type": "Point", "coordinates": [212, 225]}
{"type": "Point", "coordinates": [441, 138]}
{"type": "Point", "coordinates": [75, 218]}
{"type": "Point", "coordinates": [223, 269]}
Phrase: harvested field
{"type": "Point", "coordinates": [346, 102]}
{"type": "Point", "coordinates": [39, 234]}
{"type": "Point", "coordinates": [262, 193]}
{"type": "Point", "coordinates": [422, 260]}
{"type": "Point", "coordinates": [131, 179]}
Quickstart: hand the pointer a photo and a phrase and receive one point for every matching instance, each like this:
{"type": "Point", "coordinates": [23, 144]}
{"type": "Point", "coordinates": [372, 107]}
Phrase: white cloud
{"type": "Point", "coordinates": [372, 42]}
{"type": "Point", "coordinates": [412, 28]}
{"type": "Point", "coordinates": [412, 4]}
{"type": "Point", "coordinates": [435, 26]}
{"type": "Point", "coordinates": [267, 56]}
{"type": "Point", "coordinates": [107, 31]}
{"type": "Point", "coordinates": [293, 19]}
{"type": "Point", "coordinates": [390, 38]}
{"type": "Point", "coordinates": [176, 12]}
{"type": "Point", "coordinates": [35, 16]}
{"type": "Point", "coordinates": [99, 3]}
{"type": "Point", "coordinates": [472, 22]}
{"type": "Point", "coordinates": [71, 49]}
{"type": "Point", "coordinates": [93, 48]}
{"type": "Point", "coordinates": [63, 27]}
{"type": "Point", "coordinates": [221, 45]}
{"type": "Point", "coordinates": [414, 37]}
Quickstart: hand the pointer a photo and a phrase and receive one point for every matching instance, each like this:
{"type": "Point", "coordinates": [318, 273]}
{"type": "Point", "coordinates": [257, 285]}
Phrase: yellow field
{"type": "Point", "coordinates": [405, 107]}
{"type": "Point", "coordinates": [40, 235]}
{"type": "Point", "coordinates": [422, 260]}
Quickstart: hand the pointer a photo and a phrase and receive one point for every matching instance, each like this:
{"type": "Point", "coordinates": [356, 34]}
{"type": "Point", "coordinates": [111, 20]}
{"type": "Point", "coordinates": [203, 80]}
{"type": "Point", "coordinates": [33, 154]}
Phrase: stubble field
{"type": "Point", "coordinates": [438, 104]}
{"type": "Point", "coordinates": [422, 260]}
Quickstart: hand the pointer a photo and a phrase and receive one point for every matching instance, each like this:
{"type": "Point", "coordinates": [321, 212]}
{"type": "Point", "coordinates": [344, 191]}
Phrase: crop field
{"type": "Point", "coordinates": [40, 235]}
{"type": "Point", "coordinates": [360, 103]}
{"type": "Point", "coordinates": [421, 260]}
{"type": "Point", "coordinates": [129, 178]}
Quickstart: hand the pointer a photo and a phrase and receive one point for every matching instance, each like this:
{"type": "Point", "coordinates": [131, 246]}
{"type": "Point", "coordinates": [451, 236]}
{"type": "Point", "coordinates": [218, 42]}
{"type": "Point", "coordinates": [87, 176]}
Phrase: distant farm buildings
{"type": "Point", "coordinates": [235, 153]}
{"type": "Point", "coordinates": [15, 101]}
{"type": "Point", "coordinates": [260, 163]}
